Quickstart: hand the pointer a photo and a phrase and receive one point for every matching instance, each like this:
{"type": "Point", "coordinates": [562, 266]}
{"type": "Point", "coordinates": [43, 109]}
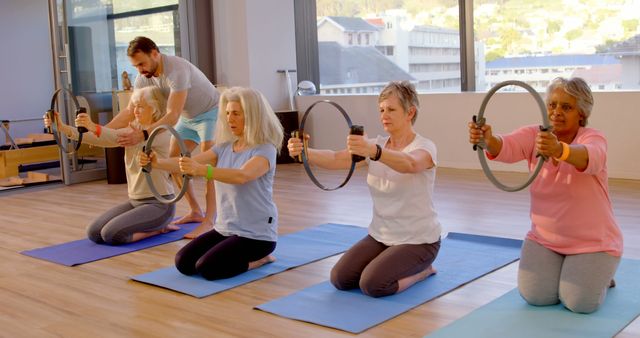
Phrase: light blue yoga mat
{"type": "Point", "coordinates": [510, 316]}
{"type": "Point", "coordinates": [462, 258]}
{"type": "Point", "coordinates": [85, 251]}
{"type": "Point", "coordinates": [292, 250]}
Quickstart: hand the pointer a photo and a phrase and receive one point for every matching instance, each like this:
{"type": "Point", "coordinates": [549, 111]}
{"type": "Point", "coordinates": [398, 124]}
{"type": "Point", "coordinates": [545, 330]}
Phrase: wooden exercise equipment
{"type": "Point", "coordinates": [10, 160]}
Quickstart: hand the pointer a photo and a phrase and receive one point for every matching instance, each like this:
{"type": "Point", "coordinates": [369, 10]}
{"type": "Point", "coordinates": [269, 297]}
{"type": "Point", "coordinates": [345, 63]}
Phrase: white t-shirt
{"type": "Point", "coordinates": [403, 211]}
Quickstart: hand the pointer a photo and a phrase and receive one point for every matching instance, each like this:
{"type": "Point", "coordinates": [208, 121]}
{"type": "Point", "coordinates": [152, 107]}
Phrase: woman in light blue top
{"type": "Point", "coordinates": [242, 164]}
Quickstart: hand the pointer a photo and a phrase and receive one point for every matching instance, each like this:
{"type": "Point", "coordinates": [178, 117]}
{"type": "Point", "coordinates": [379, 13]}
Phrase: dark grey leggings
{"type": "Point", "coordinates": [118, 224]}
{"type": "Point", "coordinates": [376, 268]}
{"type": "Point", "coordinates": [215, 256]}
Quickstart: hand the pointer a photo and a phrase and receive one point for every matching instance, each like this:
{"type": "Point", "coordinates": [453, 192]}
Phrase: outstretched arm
{"type": "Point", "coordinates": [327, 159]}
{"type": "Point", "coordinates": [412, 162]}
{"type": "Point", "coordinates": [575, 154]}
{"type": "Point", "coordinates": [255, 167]}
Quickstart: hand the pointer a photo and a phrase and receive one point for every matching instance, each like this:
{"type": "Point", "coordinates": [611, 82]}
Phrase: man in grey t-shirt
{"type": "Point", "coordinates": [192, 104]}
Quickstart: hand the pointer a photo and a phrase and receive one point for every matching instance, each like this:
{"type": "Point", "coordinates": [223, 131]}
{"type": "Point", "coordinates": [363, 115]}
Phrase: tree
{"type": "Point", "coordinates": [553, 26]}
{"type": "Point", "coordinates": [495, 54]}
{"type": "Point", "coordinates": [572, 35]}
{"type": "Point", "coordinates": [603, 48]}
{"type": "Point", "coordinates": [630, 26]}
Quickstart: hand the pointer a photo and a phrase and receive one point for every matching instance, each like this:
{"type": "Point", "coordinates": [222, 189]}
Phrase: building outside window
{"type": "Point", "coordinates": [598, 40]}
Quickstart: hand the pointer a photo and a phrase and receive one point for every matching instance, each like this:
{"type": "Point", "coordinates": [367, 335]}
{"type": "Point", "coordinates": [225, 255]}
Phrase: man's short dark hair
{"type": "Point", "coordinates": [141, 44]}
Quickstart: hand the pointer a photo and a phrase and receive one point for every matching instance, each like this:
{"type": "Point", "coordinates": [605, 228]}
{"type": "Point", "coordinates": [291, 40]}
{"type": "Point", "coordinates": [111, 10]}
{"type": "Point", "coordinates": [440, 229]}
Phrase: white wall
{"type": "Point", "coordinates": [26, 70]}
{"type": "Point", "coordinates": [443, 119]}
{"type": "Point", "coordinates": [255, 38]}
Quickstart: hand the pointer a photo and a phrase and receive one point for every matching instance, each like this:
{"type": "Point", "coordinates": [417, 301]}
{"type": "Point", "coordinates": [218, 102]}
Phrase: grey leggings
{"type": "Point", "coordinates": [376, 268]}
{"type": "Point", "coordinates": [580, 281]}
{"type": "Point", "coordinates": [118, 224]}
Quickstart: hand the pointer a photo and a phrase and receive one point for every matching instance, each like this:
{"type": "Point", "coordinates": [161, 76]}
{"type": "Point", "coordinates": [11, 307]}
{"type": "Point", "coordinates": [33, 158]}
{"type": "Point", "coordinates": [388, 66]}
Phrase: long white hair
{"type": "Point", "coordinates": [261, 125]}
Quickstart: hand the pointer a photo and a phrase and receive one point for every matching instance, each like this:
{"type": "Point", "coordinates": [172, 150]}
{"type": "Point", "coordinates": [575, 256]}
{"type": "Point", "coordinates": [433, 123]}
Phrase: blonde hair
{"type": "Point", "coordinates": [579, 89]}
{"type": "Point", "coordinates": [261, 125]}
{"type": "Point", "coordinates": [154, 97]}
{"type": "Point", "coordinates": [406, 93]}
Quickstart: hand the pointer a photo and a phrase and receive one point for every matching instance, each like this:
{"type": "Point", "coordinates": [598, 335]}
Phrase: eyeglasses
{"type": "Point", "coordinates": [564, 107]}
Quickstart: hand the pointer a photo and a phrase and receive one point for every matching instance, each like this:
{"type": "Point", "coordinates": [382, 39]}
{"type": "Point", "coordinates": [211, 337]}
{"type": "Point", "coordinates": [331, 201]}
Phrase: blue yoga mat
{"type": "Point", "coordinates": [510, 316]}
{"type": "Point", "coordinates": [462, 258]}
{"type": "Point", "coordinates": [85, 251]}
{"type": "Point", "coordinates": [293, 250]}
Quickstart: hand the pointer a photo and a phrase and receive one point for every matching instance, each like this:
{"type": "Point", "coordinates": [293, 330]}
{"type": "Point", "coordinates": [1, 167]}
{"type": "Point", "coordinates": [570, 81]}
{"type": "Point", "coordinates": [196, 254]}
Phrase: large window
{"type": "Point", "coordinates": [535, 41]}
{"type": "Point", "coordinates": [159, 23]}
{"type": "Point", "coordinates": [531, 41]}
{"type": "Point", "coordinates": [407, 40]}
{"type": "Point", "coordinates": [99, 33]}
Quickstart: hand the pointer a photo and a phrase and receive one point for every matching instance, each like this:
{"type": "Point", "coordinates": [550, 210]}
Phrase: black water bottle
{"type": "Point", "coordinates": [356, 130]}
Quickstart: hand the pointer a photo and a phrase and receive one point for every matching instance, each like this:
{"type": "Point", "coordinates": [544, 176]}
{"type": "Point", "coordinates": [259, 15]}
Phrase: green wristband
{"type": "Point", "coordinates": [209, 172]}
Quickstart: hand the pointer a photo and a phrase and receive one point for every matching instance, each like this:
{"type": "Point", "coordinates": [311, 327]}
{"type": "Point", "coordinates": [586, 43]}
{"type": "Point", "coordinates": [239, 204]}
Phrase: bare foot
{"type": "Point", "coordinates": [199, 230]}
{"type": "Point", "coordinates": [262, 261]}
{"type": "Point", "coordinates": [170, 228]}
{"type": "Point", "coordinates": [192, 217]}
{"type": "Point", "coordinates": [142, 235]}
{"type": "Point", "coordinates": [406, 282]}
{"type": "Point", "coordinates": [430, 271]}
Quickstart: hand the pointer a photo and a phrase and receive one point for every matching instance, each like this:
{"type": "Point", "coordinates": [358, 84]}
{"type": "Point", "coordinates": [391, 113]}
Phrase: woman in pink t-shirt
{"type": "Point", "coordinates": [572, 251]}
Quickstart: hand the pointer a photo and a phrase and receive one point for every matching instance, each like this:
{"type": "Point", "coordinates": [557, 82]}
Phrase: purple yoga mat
{"type": "Point", "coordinates": [85, 251]}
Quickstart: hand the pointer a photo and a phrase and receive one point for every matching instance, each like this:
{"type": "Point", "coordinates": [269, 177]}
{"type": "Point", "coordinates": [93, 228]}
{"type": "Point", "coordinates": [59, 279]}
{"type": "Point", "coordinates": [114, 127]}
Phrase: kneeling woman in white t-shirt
{"type": "Point", "coordinates": [242, 164]}
{"type": "Point", "coordinates": [404, 234]}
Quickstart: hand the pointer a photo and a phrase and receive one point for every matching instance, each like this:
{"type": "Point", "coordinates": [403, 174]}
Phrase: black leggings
{"type": "Point", "coordinates": [215, 256]}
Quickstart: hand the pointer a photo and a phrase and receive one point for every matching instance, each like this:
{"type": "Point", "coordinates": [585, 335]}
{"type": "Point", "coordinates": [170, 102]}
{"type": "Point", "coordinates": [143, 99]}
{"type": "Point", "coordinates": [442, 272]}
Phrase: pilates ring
{"type": "Point", "coordinates": [353, 129]}
{"type": "Point", "coordinates": [53, 129]}
{"type": "Point", "coordinates": [480, 121]}
{"type": "Point", "coordinates": [184, 152]}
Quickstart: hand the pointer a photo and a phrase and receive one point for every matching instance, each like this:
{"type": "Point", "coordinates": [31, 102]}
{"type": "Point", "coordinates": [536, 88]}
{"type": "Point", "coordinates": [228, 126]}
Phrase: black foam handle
{"type": "Point", "coordinates": [82, 110]}
{"type": "Point", "coordinates": [52, 118]}
{"type": "Point", "coordinates": [542, 128]}
{"type": "Point", "coordinates": [356, 130]}
{"type": "Point", "coordinates": [296, 134]}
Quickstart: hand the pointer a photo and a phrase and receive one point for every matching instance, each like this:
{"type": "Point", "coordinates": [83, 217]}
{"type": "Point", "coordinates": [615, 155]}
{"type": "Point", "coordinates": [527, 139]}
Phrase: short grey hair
{"type": "Point", "coordinates": [407, 94]}
{"type": "Point", "coordinates": [579, 89]}
{"type": "Point", "coordinates": [154, 97]}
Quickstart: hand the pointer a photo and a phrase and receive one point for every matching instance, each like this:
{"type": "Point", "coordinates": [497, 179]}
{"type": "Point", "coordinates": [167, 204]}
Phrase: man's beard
{"type": "Point", "coordinates": [149, 74]}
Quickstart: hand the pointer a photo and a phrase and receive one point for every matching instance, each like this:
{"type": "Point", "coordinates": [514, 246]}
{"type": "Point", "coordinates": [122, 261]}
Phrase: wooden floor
{"type": "Point", "coordinates": [41, 299]}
